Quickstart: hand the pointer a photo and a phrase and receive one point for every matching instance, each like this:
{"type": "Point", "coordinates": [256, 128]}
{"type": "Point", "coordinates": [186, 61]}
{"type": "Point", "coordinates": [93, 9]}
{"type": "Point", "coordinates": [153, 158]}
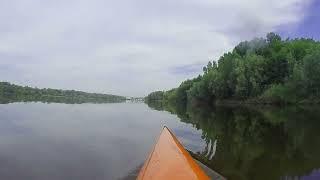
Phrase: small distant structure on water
{"type": "Point", "coordinates": [134, 99]}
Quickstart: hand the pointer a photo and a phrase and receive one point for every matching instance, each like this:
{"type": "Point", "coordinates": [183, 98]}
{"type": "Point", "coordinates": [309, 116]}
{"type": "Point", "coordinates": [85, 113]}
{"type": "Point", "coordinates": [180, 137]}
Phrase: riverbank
{"type": "Point", "coordinates": [267, 102]}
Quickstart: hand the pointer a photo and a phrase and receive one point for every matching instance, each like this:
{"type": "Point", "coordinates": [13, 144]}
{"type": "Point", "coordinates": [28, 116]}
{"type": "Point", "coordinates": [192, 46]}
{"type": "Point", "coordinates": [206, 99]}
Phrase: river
{"type": "Point", "coordinates": [50, 141]}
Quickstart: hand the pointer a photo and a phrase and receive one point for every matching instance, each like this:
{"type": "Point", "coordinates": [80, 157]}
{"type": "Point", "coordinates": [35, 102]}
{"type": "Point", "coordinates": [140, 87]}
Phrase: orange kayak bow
{"type": "Point", "coordinates": [169, 160]}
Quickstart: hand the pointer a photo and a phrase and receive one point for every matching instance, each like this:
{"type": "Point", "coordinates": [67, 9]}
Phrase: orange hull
{"type": "Point", "coordinates": [170, 161]}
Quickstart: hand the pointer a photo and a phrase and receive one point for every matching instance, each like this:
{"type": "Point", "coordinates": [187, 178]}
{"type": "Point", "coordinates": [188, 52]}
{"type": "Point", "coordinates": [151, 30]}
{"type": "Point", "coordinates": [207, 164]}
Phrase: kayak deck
{"type": "Point", "coordinates": [169, 160]}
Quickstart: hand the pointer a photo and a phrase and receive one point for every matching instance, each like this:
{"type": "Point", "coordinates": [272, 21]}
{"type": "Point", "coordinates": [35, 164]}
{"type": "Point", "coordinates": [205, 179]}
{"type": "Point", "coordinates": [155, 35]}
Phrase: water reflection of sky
{"type": "Point", "coordinates": [88, 141]}
{"type": "Point", "coordinates": [315, 175]}
{"type": "Point", "coordinates": [190, 138]}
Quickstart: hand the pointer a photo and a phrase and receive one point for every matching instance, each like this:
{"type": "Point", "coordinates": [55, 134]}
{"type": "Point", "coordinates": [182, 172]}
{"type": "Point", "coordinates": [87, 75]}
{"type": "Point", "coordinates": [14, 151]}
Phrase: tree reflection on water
{"type": "Point", "coordinates": [256, 142]}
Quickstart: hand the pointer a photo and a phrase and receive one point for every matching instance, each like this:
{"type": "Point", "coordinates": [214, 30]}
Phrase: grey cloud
{"type": "Point", "coordinates": [127, 47]}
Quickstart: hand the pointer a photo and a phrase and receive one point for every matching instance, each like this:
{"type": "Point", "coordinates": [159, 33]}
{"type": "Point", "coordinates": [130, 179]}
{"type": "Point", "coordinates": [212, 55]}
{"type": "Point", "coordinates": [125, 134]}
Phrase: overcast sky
{"type": "Point", "coordinates": [133, 47]}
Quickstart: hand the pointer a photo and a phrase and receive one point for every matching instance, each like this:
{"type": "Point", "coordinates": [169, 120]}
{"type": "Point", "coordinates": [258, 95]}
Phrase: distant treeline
{"type": "Point", "coordinates": [264, 70]}
{"type": "Point", "coordinates": [14, 93]}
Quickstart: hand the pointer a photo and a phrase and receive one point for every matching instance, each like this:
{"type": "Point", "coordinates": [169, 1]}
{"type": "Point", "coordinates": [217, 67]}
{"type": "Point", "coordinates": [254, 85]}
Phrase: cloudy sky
{"type": "Point", "coordinates": [132, 47]}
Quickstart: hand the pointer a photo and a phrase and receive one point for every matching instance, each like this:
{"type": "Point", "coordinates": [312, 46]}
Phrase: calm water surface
{"type": "Point", "coordinates": [83, 141]}
{"type": "Point", "coordinates": [108, 141]}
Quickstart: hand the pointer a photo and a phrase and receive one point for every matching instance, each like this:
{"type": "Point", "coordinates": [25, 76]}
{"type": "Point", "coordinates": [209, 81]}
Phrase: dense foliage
{"type": "Point", "coordinates": [263, 70]}
{"type": "Point", "coordinates": [14, 93]}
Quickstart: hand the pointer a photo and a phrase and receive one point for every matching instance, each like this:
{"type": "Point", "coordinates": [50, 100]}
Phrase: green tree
{"type": "Point", "coordinates": [265, 69]}
{"type": "Point", "coordinates": [311, 70]}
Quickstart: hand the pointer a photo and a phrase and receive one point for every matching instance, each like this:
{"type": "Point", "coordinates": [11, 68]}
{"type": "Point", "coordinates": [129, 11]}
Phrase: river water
{"type": "Point", "coordinates": [42, 141]}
